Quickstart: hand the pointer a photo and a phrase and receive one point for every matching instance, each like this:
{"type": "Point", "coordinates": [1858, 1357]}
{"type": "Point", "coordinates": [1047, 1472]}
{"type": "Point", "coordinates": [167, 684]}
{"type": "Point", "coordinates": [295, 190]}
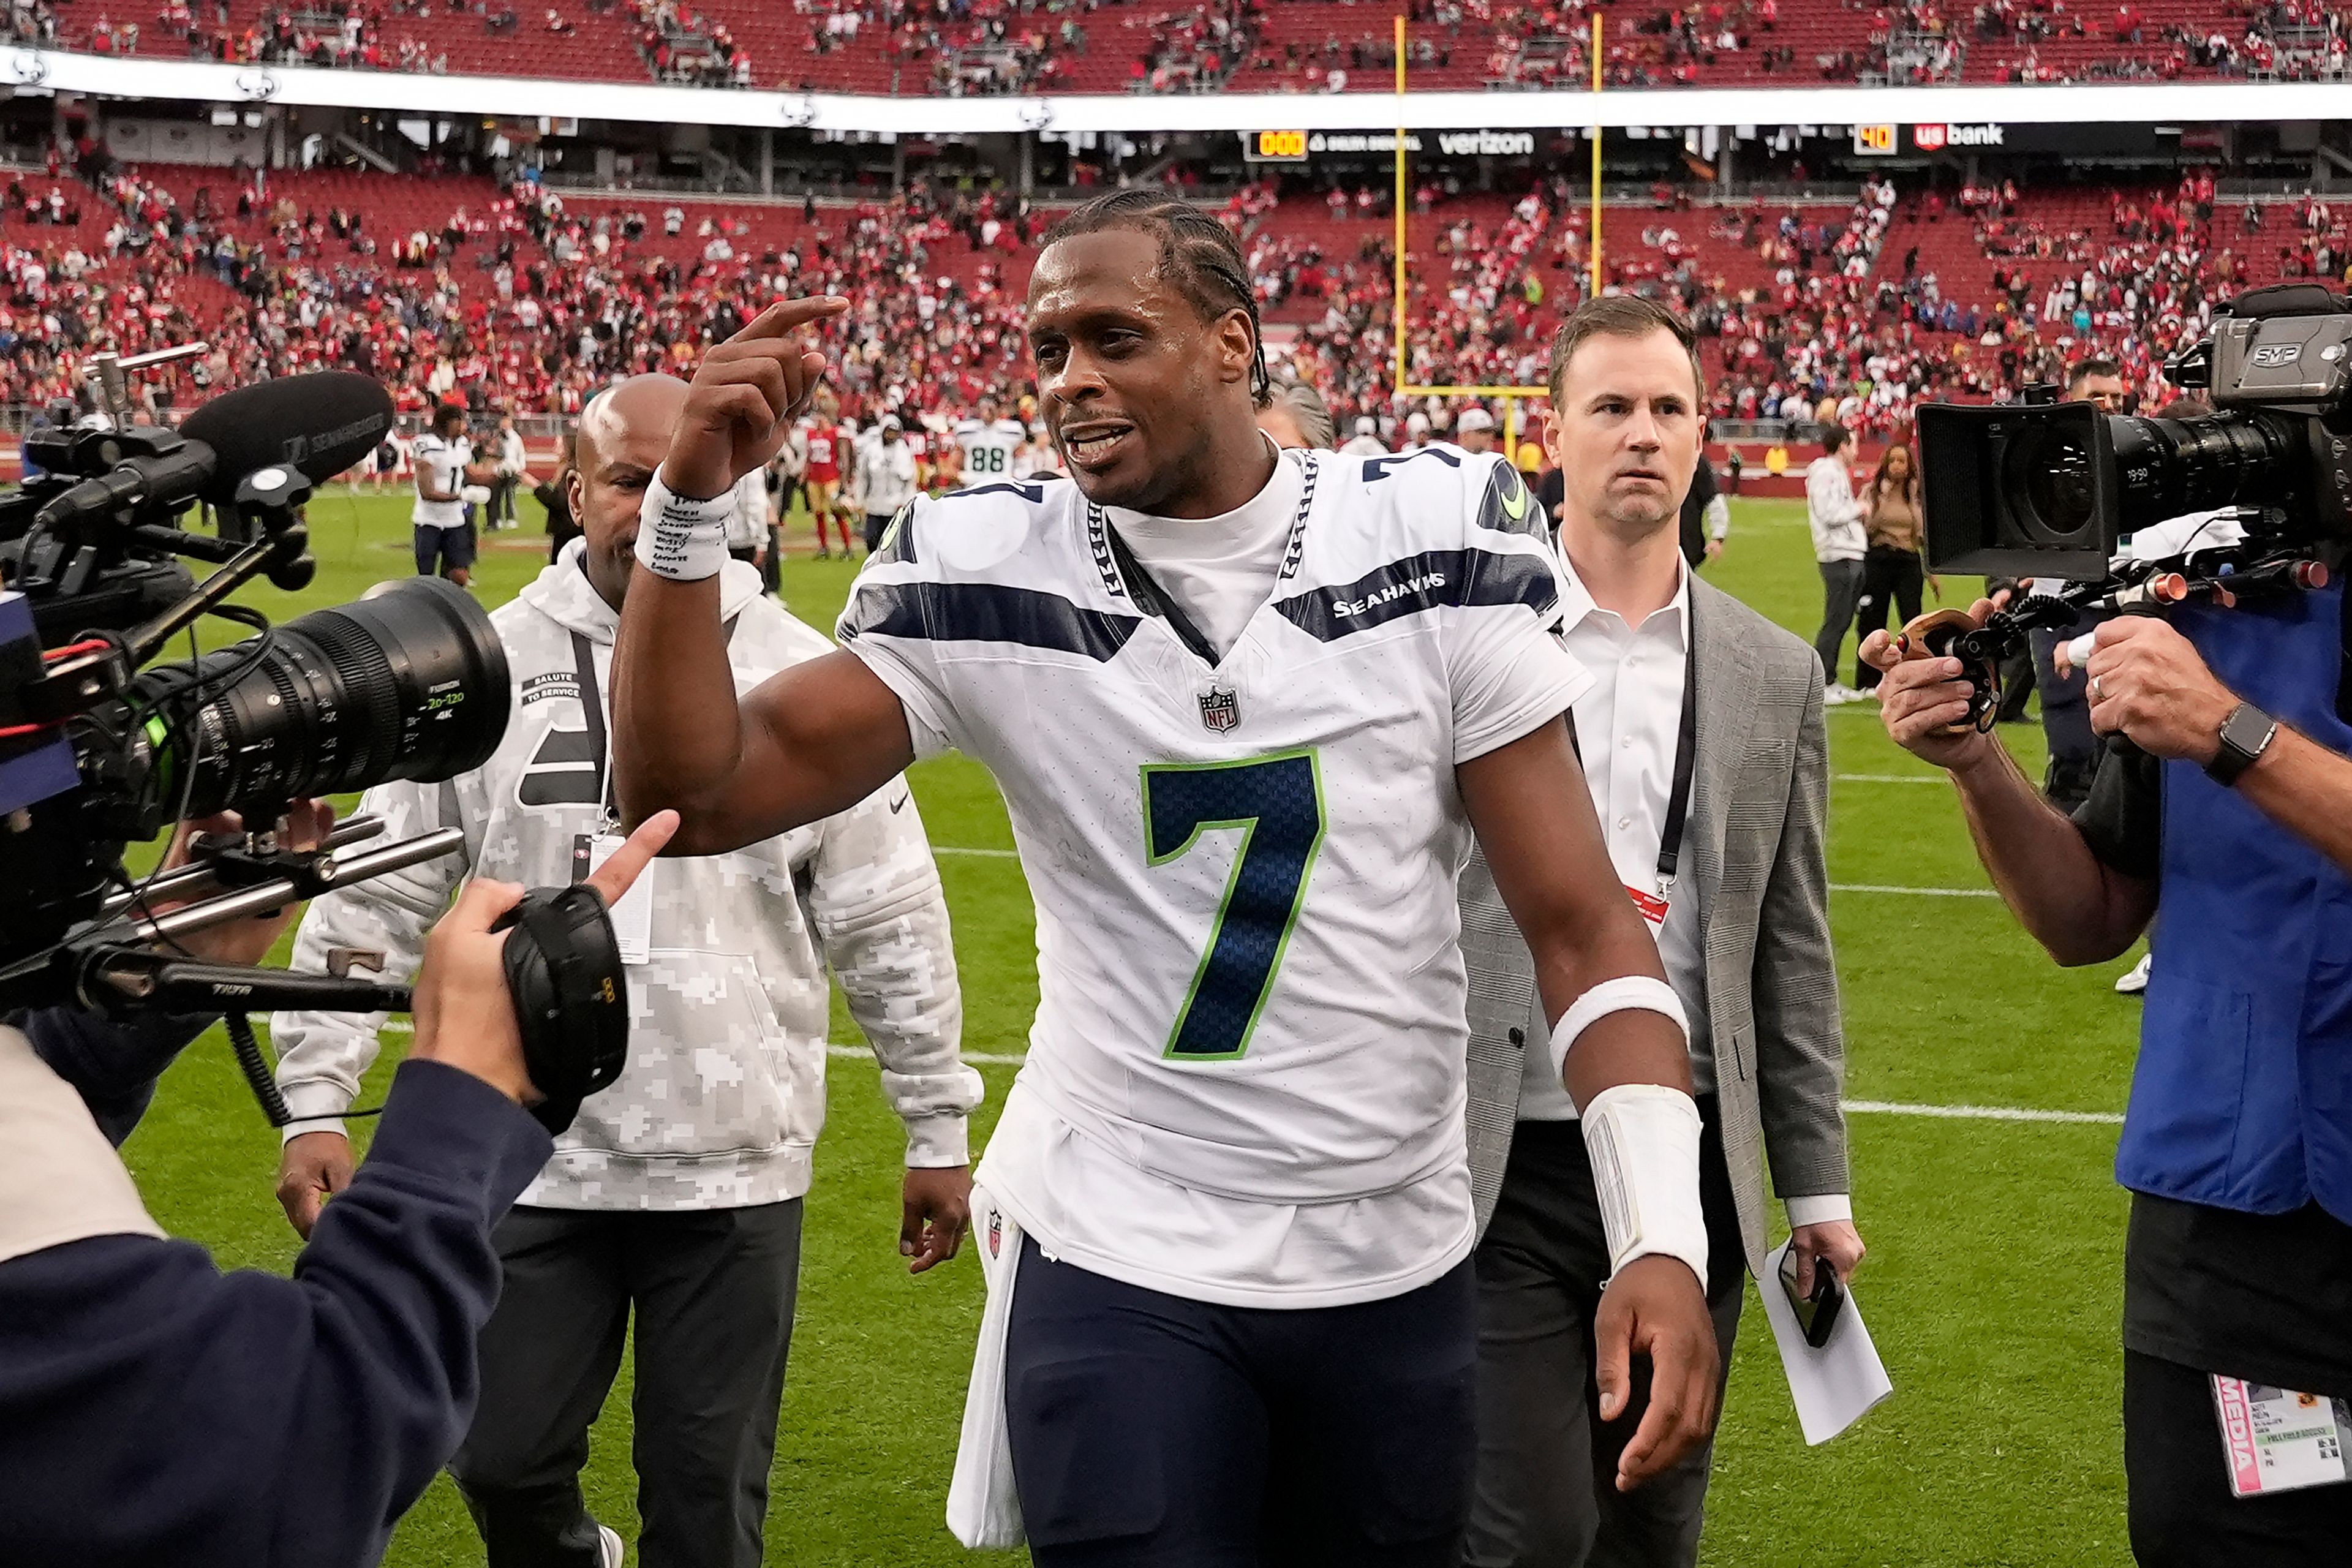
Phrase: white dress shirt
{"type": "Point", "coordinates": [1627, 727]}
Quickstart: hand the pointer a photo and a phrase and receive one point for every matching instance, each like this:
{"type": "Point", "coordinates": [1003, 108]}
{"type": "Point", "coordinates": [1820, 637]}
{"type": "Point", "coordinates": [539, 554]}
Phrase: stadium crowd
{"type": "Point", "coordinates": [956, 48]}
{"type": "Point", "coordinates": [523, 302]}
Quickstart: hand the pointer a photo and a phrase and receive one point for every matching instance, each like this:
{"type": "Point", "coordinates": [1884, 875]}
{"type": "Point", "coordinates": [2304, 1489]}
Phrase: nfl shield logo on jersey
{"type": "Point", "coordinates": [1221, 709]}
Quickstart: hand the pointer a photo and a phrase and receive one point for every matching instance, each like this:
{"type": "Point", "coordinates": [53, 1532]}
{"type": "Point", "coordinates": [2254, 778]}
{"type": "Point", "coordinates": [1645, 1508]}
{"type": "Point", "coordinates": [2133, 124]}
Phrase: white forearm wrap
{"type": "Point", "coordinates": [1625, 994]}
{"type": "Point", "coordinates": [680, 538]}
{"type": "Point", "coordinates": [1642, 1140]}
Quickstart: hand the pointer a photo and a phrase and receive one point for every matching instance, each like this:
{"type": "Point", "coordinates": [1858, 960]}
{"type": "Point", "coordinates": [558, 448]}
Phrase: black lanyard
{"type": "Point", "coordinates": [1670, 837]}
{"type": "Point", "coordinates": [592, 705]}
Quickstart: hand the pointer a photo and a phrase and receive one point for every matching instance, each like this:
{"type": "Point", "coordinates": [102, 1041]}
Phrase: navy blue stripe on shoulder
{"type": "Point", "coordinates": [1030, 490]}
{"type": "Point", "coordinates": [986, 613]}
{"type": "Point", "coordinates": [1431, 580]}
{"type": "Point", "coordinates": [897, 543]}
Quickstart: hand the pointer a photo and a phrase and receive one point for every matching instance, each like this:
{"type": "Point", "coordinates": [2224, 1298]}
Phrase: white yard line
{"type": "Point", "coordinates": [1834, 886]}
{"type": "Point", "coordinates": [983, 1059]}
{"type": "Point", "coordinates": [1889, 778]}
{"type": "Point", "coordinates": [1982, 1112]}
{"type": "Point", "coordinates": [1859, 1106]}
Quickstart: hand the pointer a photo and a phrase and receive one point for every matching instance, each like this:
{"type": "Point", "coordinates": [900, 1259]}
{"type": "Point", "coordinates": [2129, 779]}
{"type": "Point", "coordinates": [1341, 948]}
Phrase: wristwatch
{"type": "Point", "coordinates": [2245, 735]}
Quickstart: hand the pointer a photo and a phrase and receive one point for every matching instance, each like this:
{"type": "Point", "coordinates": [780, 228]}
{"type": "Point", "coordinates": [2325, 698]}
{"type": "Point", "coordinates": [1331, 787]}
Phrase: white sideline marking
{"type": "Point", "coordinates": [1889, 778]}
{"type": "Point", "coordinates": [1982, 1112]}
{"type": "Point", "coordinates": [1859, 1106]}
{"type": "Point", "coordinates": [1865, 1107]}
{"type": "Point", "coordinates": [1834, 886]}
{"type": "Point", "coordinates": [984, 1058]}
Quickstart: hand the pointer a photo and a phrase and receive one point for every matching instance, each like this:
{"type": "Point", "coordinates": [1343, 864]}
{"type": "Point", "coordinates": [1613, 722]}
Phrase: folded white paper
{"type": "Point", "coordinates": [1837, 1384]}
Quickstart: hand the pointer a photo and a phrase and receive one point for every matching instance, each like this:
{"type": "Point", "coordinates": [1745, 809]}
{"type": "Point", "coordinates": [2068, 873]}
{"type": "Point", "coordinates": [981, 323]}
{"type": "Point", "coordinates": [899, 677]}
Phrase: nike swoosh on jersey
{"type": "Point", "coordinates": [1507, 507]}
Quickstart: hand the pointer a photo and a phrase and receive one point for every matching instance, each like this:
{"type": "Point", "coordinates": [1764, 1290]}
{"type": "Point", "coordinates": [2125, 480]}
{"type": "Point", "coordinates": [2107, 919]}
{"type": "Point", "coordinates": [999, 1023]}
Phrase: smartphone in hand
{"type": "Point", "coordinates": [1817, 1313]}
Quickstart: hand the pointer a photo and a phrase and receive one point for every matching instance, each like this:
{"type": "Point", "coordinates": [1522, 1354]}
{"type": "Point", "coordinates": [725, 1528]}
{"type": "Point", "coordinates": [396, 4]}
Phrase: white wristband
{"type": "Point", "coordinates": [680, 538]}
{"type": "Point", "coordinates": [1642, 1141]}
{"type": "Point", "coordinates": [1626, 992]}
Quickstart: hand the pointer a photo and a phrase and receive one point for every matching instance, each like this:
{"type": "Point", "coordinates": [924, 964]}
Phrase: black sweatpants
{"type": "Point", "coordinates": [1151, 1431]}
{"type": "Point", "coordinates": [1841, 590]}
{"type": "Point", "coordinates": [2182, 1515]}
{"type": "Point", "coordinates": [1890, 579]}
{"type": "Point", "coordinates": [713, 1292]}
{"type": "Point", "coordinates": [2261, 1297]}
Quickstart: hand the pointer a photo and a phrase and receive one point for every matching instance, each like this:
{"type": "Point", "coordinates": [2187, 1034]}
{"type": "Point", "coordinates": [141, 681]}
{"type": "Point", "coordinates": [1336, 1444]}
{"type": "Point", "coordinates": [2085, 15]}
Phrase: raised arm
{"type": "Point", "coordinates": [810, 742]}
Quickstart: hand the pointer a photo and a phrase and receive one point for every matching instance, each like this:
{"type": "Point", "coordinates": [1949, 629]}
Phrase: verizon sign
{"type": "Point", "coordinates": [1936, 138]}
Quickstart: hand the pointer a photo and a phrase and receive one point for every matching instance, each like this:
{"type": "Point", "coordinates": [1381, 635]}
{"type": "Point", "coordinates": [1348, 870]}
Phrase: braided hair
{"type": "Point", "coordinates": [1197, 252]}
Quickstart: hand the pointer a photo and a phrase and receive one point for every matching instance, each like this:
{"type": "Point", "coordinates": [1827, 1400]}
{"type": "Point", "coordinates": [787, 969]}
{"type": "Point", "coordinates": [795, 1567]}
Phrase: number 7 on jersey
{"type": "Point", "coordinates": [1277, 804]}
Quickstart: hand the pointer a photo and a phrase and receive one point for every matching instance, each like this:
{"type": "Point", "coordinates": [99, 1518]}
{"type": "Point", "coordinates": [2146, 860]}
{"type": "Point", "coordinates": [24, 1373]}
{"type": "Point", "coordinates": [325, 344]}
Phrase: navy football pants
{"type": "Point", "coordinates": [1148, 1429]}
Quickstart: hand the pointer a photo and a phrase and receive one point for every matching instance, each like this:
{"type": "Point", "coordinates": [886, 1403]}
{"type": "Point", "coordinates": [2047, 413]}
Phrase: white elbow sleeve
{"type": "Point", "coordinates": [1625, 994]}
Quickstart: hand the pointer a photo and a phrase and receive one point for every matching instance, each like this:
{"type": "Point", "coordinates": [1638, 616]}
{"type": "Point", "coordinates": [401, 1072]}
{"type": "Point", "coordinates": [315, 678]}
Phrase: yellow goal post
{"type": "Point", "coordinates": [1509, 396]}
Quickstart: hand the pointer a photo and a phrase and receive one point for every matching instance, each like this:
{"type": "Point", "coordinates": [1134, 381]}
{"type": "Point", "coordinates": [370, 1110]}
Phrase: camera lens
{"type": "Point", "coordinates": [2053, 472]}
{"type": "Point", "coordinates": [2167, 467]}
{"type": "Point", "coordinates": [407, 683]}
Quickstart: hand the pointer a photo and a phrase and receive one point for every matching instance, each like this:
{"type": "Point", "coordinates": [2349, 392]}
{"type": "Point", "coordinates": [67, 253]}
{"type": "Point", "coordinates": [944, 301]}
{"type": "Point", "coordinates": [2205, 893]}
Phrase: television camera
{"type": "Point", "coordinates": [99, 749]}
{"type": "Point", "coordinates": [2050, 489]}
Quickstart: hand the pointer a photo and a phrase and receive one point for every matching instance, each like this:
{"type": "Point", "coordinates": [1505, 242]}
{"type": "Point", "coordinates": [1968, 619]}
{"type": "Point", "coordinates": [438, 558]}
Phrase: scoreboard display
{"type": "Point", "coordinates": [1874, 141]}
{"type": "Point", "coordinates": [1274, 146]}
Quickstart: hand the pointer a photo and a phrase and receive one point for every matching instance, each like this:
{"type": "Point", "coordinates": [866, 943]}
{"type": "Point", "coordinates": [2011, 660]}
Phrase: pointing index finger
{"type": "Point", "coordinates": [788, 315]}
{"type": "Point", "coordinates": [613, 878]}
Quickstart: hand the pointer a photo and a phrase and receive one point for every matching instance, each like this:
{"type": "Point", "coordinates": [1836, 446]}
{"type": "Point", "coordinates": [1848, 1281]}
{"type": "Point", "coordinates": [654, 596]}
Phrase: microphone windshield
{"type": "Point", "coordinates": [318, 425]}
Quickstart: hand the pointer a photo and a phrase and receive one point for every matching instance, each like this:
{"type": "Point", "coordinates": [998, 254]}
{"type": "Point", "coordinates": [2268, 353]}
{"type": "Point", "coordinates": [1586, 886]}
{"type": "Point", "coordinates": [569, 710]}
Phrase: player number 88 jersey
{"type": "Point", "coordinates": [1249, 978]}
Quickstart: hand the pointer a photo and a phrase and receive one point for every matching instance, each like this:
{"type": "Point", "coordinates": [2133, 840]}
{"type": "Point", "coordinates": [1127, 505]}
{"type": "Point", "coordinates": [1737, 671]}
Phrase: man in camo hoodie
{"type": "Point", "coordinates": [677, 1190]}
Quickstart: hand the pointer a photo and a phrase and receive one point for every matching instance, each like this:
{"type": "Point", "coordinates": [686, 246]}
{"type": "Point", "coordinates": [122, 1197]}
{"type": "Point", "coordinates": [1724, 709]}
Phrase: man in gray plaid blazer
{"type": "Point", "coordinates": [1697, 699]}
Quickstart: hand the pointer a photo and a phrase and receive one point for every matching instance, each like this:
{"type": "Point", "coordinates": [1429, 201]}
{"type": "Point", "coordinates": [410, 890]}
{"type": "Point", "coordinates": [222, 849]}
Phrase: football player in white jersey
{"type": "Point", "coordinates": [1246, 710]}
{"type": "Point", "coordinates": [989, 441]}
{"type": "Point", "coordinates": [443, 534]}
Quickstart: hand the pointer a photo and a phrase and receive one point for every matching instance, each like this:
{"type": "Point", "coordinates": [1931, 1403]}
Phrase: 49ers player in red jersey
{"type": "Point", "coordinates": [826, 449]}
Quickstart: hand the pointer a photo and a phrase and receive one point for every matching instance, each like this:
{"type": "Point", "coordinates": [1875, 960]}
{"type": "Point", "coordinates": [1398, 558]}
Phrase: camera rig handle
{"type": "Point", "coordinates": [2227, 576]}
{"type": "Point", "coordinates": [117, 979]}
{"type": "Point", "coordinates": [1952, 633]}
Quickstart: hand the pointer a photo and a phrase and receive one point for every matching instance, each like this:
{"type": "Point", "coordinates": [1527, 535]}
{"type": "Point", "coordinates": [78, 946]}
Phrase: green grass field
{"type": "Point", "coordinates": [1995, 1245]}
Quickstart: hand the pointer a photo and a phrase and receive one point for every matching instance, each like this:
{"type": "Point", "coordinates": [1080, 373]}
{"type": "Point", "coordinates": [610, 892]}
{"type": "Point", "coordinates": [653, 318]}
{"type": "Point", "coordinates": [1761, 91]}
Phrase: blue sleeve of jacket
{"type": "Point", "coordinates": [152, 1408]}
{"type": "Point", "coordinates": [112, 1065]}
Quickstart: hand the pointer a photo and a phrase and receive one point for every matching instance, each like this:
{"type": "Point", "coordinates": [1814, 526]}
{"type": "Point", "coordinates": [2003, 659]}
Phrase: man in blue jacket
{"type": "Point", "coordinates": [155, 1410]}
{"type": "Point", "coordinates": [2230, 824]}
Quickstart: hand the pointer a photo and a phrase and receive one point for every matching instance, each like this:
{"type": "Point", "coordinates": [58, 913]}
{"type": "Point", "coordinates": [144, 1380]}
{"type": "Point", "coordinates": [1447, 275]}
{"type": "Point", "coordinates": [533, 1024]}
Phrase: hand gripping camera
{"type": "Point", "coordinates": [99, 748]}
